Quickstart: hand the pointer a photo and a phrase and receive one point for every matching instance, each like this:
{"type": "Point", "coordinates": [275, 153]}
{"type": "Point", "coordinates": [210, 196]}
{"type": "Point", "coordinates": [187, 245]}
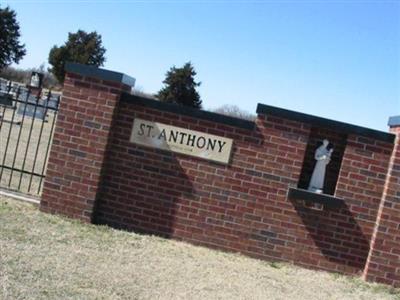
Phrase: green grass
{"type": "Point", "coordinates": [48, 257]}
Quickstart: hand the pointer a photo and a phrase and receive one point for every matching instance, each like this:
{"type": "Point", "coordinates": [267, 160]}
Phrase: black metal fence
{"type": "Point", "coordinates": [27, 122]}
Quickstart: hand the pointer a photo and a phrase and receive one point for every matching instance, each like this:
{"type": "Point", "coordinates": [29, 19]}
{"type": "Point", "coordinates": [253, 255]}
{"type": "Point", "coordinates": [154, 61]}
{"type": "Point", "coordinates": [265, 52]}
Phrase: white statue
{"type": "Point", "coordinates": [323, 157]}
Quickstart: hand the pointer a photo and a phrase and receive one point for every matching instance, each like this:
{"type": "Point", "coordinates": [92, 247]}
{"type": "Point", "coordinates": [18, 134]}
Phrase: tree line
{"type": "Point", "coordinates": [180, 86]}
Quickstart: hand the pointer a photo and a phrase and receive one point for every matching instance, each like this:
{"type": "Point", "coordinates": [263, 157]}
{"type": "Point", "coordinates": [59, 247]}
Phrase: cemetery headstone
{"type": "Point", "coordinates": [51, 102]}
{"type": "Point", "coordinates": [5, 99]}
{"type": "Point", "coordinates": [30, 108]}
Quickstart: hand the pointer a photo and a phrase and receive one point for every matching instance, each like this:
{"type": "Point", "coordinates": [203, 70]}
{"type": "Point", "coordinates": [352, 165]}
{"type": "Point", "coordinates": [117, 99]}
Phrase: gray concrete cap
{"type": "Point", "coordinates": [94, 72]}
{"type": "Point", "coordinates": [394, 121]}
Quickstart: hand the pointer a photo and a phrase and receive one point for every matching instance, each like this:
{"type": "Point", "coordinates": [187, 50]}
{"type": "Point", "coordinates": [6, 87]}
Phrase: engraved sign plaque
{"type": "Point", "coordinates": [181, 140]}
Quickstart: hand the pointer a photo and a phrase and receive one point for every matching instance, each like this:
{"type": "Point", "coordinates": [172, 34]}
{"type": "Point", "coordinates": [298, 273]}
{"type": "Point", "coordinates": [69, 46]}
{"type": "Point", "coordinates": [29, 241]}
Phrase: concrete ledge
{"type": "Point", "coordinates": [95, 72]}
{"type": "Point", "coordinates": [20, 196]}
{"type": "Point", "coordinates": [394, 121]}
{"type": "Point", "coordinates": [310, 197]}
{"type": "Point", "coordinates": [327, 123]}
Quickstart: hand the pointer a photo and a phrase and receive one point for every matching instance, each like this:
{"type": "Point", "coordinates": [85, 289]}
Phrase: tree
{"type": "Point", "coordinates": [10, 48]}
{"type": "Point", "coordinates": [234, 111]}
{"type": "Point", "coordinates": [81, 47]}
{"type": "Point", "coordinates": [180, 87]}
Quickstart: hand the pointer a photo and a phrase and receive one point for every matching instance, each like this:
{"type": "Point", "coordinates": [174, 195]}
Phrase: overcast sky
{"type": "Point", "coordinates": [334, 59]}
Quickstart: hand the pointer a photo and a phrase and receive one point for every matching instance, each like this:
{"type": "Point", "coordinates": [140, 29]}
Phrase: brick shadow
{"type": "Point", "coordinates": [336, 233]}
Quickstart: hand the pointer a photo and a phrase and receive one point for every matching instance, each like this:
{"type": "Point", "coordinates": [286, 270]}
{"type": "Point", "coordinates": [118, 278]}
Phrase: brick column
{"type": "Point", "coordinates": [383, 264]}
{"type": "Point", "coordinates": [74, 171]}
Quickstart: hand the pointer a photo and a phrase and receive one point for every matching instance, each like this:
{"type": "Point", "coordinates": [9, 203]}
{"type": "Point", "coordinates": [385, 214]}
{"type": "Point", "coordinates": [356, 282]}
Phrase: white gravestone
{"type": "Point", "coordinates": [323, 157]}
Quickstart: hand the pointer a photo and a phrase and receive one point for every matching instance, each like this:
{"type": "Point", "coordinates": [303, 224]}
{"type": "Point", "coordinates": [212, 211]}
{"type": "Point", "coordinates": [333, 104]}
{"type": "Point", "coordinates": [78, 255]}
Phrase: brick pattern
{"type": "Point", "coordinates": [241, 207]}
{"type": "Point", "coordinates": [384, 260]}
{"type": "Point", "coordinates": [362, 178]}
{"type": "Point", "coordinates": [79, 145]}
{"type": "Point", "coordinates": [96, 174]}
{"type": "Point", "coordinates": [230, 207]}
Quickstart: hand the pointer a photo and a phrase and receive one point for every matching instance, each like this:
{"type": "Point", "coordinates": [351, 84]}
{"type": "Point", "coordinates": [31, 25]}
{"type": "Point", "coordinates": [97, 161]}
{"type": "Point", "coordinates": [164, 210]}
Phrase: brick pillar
{"type": "Point", "coordinates": [383, 264]}
{"type": "Point", "coordinates": [74, 171]}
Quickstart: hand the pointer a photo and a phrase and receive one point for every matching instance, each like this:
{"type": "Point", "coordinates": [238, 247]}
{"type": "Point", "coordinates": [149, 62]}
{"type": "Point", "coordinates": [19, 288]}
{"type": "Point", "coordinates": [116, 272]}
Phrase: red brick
{"type": "Point", "coordinates": [237, 207]}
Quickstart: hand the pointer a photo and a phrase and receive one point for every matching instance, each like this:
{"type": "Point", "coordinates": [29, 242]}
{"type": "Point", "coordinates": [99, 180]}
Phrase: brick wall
{"type": "Point", "coordinates": [96, 174]}
{"type": "Point", "coordinates": [384, 259]}
{"type": "Point", "coordinates": [225, 206]}
{"type": "Point", "coordinates": [242, 206]}
{"type": "Point", "coordinates": [360, 184]}
{"type": "Point", "coordinates": [79, 145]}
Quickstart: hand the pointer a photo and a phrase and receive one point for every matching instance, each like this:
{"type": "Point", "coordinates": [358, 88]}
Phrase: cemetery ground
{"type": "Point", "coordinates": [44, 256]}
{"type": "Point", "coordinates": [23, 152]}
